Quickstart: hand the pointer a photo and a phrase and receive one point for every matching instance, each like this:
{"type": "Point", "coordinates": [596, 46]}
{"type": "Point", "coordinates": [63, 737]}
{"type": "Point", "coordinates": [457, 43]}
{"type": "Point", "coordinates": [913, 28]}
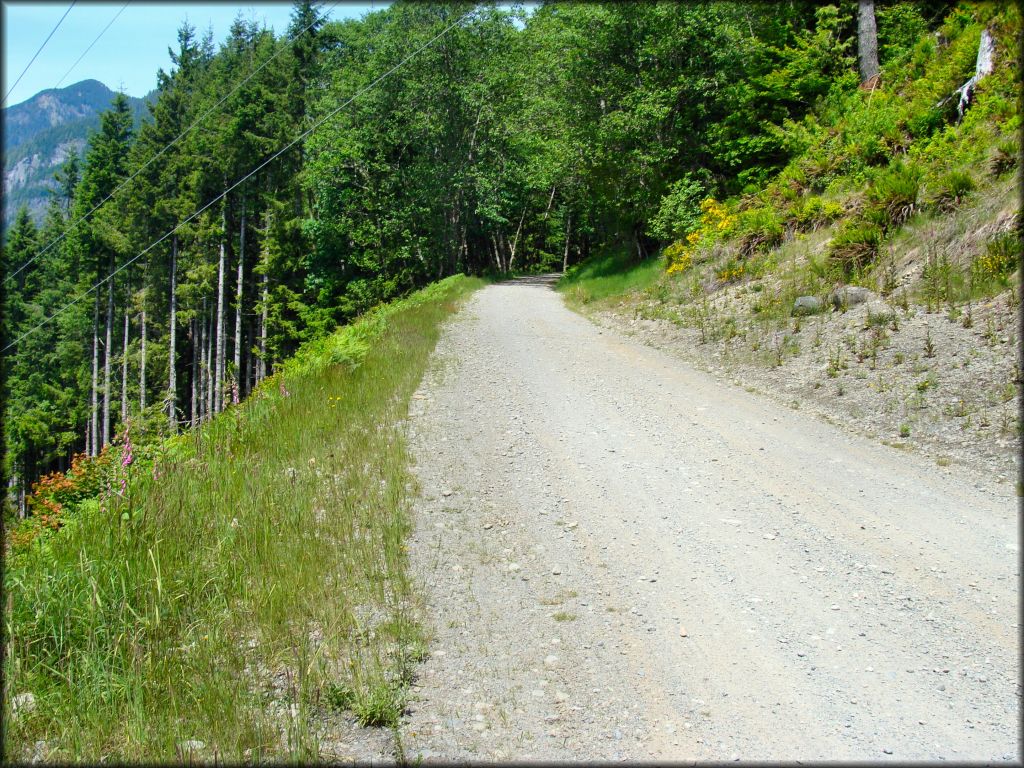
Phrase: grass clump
{"type": "Point", "coordinates": [856, 245]}
{"type": "Point", "coordinates": [952, 189]}
{"type": "Point", "coordinates": [894, 195]}
{"type": "Point", "coordinates": [268, 543]}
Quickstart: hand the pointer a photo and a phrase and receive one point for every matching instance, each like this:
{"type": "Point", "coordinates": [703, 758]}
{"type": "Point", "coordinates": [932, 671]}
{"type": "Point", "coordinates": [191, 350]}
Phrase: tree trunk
{"type": "Point", "coordinates": [209, 366]}
{"type": "Point", "coordinates": [519, 229]}
{"type": "Point", "coordinates": [172, 379]}
{"type": "Point", "coordinates": [106, 357]}
{"type": "Point", "coordinates": [218, 395]}
{"type": "Point", "coordinates": [238, 308]}
{"type": "Point", "coordinates": [94, 444]}
{"type": "Point", "coordinates": [867, 45]}
{"type": "Point", "coordinates": [551, 199]}
{"type": "Point", "coordinates": [565, 255]}
{"type": "Point", "coordinates": [124, 370]}
{"type": "Point", "coordinates": [194, 401]}
{"type": "Point", "coordinates": [142, 357]}
{"type": "Point", "coordinates": [261, 373]}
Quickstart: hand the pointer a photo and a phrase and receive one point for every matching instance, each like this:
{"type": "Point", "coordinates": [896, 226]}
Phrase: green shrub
{"type": "Point", "coordinates": [951, 190]}
{"type": "Point", "coordinates": [856, 245]}
{"type": "Point", "coordinates": [1004, 158]}
{"type": "Point", "coordinates": [895, 192]}
{"type": "Point", "coordinates": [812, 212]}
{"type": "Point", "coordinates": [760, 229]}
{"type": "Point", "coordinates": [1000, 260]}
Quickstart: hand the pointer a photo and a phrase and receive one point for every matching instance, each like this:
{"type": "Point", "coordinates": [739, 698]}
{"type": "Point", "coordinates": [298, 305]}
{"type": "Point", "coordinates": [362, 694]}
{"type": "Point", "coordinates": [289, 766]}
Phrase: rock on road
{"type": "Point", "coordinates": [624, 558]}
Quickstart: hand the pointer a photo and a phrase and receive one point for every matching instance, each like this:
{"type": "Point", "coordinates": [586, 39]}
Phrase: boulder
{"type": "Point", "coordinates": [849, 295]}
{"type": "Point", "coordinates": [879, 311]}
{"type": "Point", "coordinates": [806, 305]}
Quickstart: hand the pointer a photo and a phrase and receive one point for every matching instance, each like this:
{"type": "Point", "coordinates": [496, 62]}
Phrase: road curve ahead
{"type": "Point", "coordinates": [623, 558]}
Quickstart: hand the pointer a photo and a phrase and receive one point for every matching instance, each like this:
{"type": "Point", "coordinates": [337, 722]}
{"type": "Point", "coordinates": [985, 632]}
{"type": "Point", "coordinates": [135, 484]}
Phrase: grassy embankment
{"type": "Point", "coordinates": [250, 580]}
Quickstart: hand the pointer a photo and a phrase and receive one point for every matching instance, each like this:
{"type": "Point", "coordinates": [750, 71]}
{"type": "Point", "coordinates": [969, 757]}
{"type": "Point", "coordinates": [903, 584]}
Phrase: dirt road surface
{"type": "Point", "coordinates": [624, 558]}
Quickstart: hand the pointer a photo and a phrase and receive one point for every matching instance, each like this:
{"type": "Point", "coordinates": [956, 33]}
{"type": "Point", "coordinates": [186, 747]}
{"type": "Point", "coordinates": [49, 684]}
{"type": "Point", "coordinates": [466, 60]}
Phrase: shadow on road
{"type": "Point", "coordinates": [549, 279]}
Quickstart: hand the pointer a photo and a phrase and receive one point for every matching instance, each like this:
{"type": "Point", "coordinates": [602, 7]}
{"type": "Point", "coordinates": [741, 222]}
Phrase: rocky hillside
{"type": "Point", "coordinates": [41, 132]}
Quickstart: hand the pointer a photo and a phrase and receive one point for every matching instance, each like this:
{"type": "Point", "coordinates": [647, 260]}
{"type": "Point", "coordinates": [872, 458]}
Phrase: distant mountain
{"type": "Point", "coordinates": [41, 132]}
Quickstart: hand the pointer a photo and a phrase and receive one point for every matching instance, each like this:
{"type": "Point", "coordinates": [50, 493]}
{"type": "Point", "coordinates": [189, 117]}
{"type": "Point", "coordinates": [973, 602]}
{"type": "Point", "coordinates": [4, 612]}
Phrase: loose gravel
{"type": "Point", "coordinates": [625, 558]}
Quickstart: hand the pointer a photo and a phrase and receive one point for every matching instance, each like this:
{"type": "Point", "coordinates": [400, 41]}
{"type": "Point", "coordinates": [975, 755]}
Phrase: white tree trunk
{"type": "Point", "coordinates": [261, 366]}
{"type": "Point", "coordinates": [106, 358]}
{"type": "Point", "coordinates": [194, 402]}
{"type": "Point", "coordinates": [565, 255]}
{"type": "Point", "coordinates": [218, 395]}
{"type": "Point", "coordinates": [172, 379]}
{"type": "Point", "coordinates": [982, 67]}
{"type": "Point", "coordinates": [94, 443]}
{"type": "Point", "coordinates": [124, 369]}
{"type": "Point", "coordinates": [238, 306]}
{"type": "Point", "coordinates": [142, 357]}
{"type": "Point", "coordinates": [209, 367]}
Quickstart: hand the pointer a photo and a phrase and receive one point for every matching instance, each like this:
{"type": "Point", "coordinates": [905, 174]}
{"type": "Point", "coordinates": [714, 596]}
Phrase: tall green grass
{"type": "Point", "coordinates": [264, 553]}
{"type": "Point", "coordinates": [610, 274]}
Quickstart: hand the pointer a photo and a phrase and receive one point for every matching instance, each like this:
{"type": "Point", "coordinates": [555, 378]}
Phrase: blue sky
{"type": "Point", "coordinates": [133, 48]}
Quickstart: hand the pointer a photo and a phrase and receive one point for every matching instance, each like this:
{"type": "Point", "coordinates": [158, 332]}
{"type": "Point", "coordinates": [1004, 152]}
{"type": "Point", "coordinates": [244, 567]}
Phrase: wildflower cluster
{"type": "Point", "coordinates": [1000, 259]}
{"type": "Point", "coordinates": [55, 496]}
{"type": "Point", "coordinates": [715, 222]}
{"type": "Point", "coordinates": [731, 272]}
{"type": "Point", "coordinates": [333, 400]}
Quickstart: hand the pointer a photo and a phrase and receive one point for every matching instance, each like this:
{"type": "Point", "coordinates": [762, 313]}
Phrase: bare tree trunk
{"type": "Point", "coordinates": [172, 378]}
{"type": "Point", "coordinates": [194, 401]}
{"type": "Point", "coordinates": [238, 306]}
{"type": "Point", "coordinates": [867, 45]}
{"type": "Point", "coordinates": [124, 369]}
{"type": "Point", "coordinates": [218, 396]}
{"type": "Point", "coordinates": [519, 229]}
{"type": "Point", "coordinates": [142, 357]}
{"type": "Point", "coordinates": [551, 199]}
{"type": "Point", "coordinates": [565, 255]}
{"type": "Point", "coordinates": [261, 371]}
{"type": "Point", "coordinates": [106, 357]}
{"type": "Point", "coordinates": [209, 366]}
{"type": "Point", "coordinates": [94, 444]}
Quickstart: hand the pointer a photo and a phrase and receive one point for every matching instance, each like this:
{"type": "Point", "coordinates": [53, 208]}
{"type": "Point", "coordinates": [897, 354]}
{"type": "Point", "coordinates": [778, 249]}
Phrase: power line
{"type": "Point", "coordinates": [178, 138]}
{"type": "Point", "coordinates": [40, 49]}
{"type": "Point", "coordinates": [91, 45]}
{"type": "Point", "coordinates": [251, 173]}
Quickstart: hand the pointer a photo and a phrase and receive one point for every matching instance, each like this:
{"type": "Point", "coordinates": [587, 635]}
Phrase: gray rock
{"type": "Point", "coordinates": [806, 305]}
{"type": "Point", "coordinates": [191, 746]}
{"type": "Point", "coordinates": [23, 703]}
{"type": "Point", "coordinates": [850, 295]}
{"type": "Point", "coordinates": [879, 310]}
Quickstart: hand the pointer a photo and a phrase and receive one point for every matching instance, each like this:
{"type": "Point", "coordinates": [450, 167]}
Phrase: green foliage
{"type": "Point", "coordinates": [679, 212]}
{"type": "Point", "coordinates": [759, 229]}
{"type": "Point", "coordinates": [1005, 157]}
{"type": "Point", "coordinates": [1001, 259]}
{"type": "Point", "coordinates": [951, 190]}
{"type": "Point", "coordinates": [612, 273]}
{"type": "Point", "coordinates": [812, 212]}
{"type": "Point", "coordinates": [855, 245]}
{"type": "Point", "coordinates": [895, 192]}
{"type": "Point", "coordinates": [139, 624]}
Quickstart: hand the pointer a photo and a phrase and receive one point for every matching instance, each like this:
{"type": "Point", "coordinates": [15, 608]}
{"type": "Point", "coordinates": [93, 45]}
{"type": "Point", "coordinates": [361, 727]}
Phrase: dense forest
{"type": "Point", "coordinates": [283, 185]}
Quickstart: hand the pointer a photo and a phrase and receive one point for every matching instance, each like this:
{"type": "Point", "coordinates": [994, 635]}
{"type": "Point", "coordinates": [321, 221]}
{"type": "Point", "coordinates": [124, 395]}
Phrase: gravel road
{"type": "Point", "coordinates": [624, 558]}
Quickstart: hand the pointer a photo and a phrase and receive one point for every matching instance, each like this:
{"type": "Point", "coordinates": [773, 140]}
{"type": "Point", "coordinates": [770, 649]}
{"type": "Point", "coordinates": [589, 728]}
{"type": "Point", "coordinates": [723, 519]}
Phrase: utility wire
{"type": "Point", "coordinates": [178, 138]}
{"type": "Point", "coordinates": [40, 50]}
{"type": "Point", "coordinates": [251, 173]}
{"type": "Point", "coordinates": [91, 45]}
